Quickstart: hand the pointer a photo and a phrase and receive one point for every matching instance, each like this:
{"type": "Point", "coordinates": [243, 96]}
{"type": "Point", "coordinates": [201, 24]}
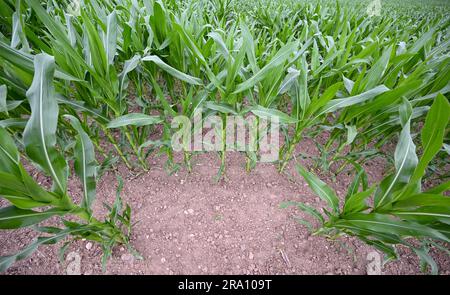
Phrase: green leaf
{"type": "Point", "coordinates": [24, 61]}
{"type": "Point", "coordinates": [85, 163]}
{"type": "Point", "coordinates": [351, 133]}
{"type": "Point", "coordinates": [375, 74]}
{"type": "Point", "coordinates": [289, 80]}
{"type": "Point", "coordinates": [267, 113]}
{"type": "Point", "coordinates": [281, 56]}
{"type": "Point", "coordinates": [128, 66]}
{"type": "Point", "coordinates": [320, 188]}
{"type": "Point", "coordinates": [357, 202]}
{"type": "Point", "coordinates": [250, 48]}
{"type": "Point", "coordinates": [3, 105]}
{"type": "Point", "coordinates": [134, 119]}
{"type": "Point", "coordinates": [443, 187]}
{"type": "Point", "coordinates": [305, 208]}
{"type": "Point", "coordinates": [174, 72]}
{"type": "Point", "coordinates": [81, 107]}
{"type": "Point", "coordinates": [13, 123]}
{"type": "Point", "coordinates": [97, 51]}
{"type": "Point", "coordinates": [12, 185]}
{"type": "Point", "coordinates": [433, 133]}
{"type": "Point", "coordinates": [426, 215]}
{"type": "Point", "coordinates": [405, 163]}
{"type": "Point", "coordinates": [386, 224]}
{"type": "Point", "coordinates": [223, 108]}
{"type": "Point", "coordinates": [40, 132]}
{"type": "Point", "coordinates": [9, 155]}
{"type": "Point", "coordinates": [303, 99]}
{"type": "Point", "coordinates": [420, 200]}
{"type": "Point", "coordinates": [340, 103]}
{"type": "Point", "coordinates": [12, 217]}
{"type": "Point", "coordinates": [328, 95]}
{"type": "Point", "coordinates": [426, 259]}
{"type": "Point", "coordinates": [110, 40]}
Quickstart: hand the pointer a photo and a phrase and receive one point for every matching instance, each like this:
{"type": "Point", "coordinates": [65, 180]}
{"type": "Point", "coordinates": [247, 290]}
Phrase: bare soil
{"type": "Point", "coordinates": [190, 224]}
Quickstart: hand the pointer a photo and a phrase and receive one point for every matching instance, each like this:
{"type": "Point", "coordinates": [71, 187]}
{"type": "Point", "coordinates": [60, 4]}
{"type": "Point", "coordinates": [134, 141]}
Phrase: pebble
{"type": "Point", "coordinates": [163, 260]}
{"type": "Point", "coordinates": [126, 257]}
{"type": "Point", "coordinates": [89, 246]}
{"type": "Point", "coordinates": [190, 211]}
{"type": "Point", "coordinates": [251, 256]}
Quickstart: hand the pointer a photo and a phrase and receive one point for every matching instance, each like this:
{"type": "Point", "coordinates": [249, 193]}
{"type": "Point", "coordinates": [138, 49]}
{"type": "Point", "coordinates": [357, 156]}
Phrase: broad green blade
{"type": "Point", "coordinates": [320, 188]}
{"type": "Point", "coordinates": [357, 202]}
{"type": "Point", "coordinates": [85, 163]}
{"type": "Point", "coordinates": [172, 71]}
{"type": "Point", "coordinates": [281, 56]}
{"type": "Point", "coordinates": [340, 103]}
{"type": "Point", "coordinates": [267, 113]}
{"type": "Point", "coordinates": [221, 107]}
{"type": "Point", "coordinates": [3, 104]}
{"type": "Point", "coordinates": [134, 119]}
{"type": "Point", "coordinates": [13, 217]}
{"type": "Point", "coordinates": [386, 224]}
{"type": "Point", "coordinates": [110, 40]}
{"type": "Point", "coordinates": [433, 133]}
{"type": "Point", "coordinates": [40, 132]}
{"type": "Point", "coordinates": [9, 155]}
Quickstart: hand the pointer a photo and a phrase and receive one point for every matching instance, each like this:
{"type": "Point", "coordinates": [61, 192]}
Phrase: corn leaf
{"type": "Point", "coordinates": [40, 132]}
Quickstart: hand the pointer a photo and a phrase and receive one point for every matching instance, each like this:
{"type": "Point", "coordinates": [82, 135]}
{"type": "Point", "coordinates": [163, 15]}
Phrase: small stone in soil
{"type": "Point", "coordinates": [126, 257]}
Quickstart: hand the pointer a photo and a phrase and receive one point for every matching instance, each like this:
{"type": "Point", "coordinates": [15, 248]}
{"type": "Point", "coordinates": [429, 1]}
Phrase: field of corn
{"type": "Point", "coordinates": [88, 91]}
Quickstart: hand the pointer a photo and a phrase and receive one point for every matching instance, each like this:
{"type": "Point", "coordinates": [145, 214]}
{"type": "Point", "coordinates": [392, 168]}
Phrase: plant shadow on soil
{"type": "Point", "coordinates": [187, 223]}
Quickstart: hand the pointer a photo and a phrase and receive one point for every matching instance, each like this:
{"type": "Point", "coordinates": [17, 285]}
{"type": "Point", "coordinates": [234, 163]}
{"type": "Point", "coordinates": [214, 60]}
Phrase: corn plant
{"type": "Point", "coordinates": [401, 211]}
{"type": "Point", "coordinates": [123, 67]}
{"type": "Point", "coordinates": [31, 203]}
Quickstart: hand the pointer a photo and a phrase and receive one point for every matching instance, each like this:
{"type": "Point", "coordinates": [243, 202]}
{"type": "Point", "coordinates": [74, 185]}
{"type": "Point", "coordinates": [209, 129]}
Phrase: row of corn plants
{"type": "Point", "coordinates": [31, 203]}
{"type": "Point", "coordinates": [123, 69]}
{"type": "Point", "coordinates": [401, 212]}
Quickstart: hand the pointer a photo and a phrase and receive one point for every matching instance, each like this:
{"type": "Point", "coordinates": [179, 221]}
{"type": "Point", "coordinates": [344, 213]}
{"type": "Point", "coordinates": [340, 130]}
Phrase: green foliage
{"type": "Point", "coordinates": [401, 211]}
{"type": "Point", "coordinates": [118, 71]}
{"type": "Point", "coordinates": [30, 203]}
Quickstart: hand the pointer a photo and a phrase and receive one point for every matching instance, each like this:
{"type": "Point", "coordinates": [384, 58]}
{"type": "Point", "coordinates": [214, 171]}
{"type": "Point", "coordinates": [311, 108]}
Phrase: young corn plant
{"type": "Point", "coordinates": [87, 50]}
{"type": "Point", "coordinates": [400, 211]}
{"type": "Point", "coordinates": [30, 203]}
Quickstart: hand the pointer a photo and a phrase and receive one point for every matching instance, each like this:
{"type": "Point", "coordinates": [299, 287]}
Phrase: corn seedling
{"type": "Point", "coordinates": [32, 204]}
{"type": "Point", "coordinates": [117, 72]}
{"type": "Point", "coordinates": [401, 211]}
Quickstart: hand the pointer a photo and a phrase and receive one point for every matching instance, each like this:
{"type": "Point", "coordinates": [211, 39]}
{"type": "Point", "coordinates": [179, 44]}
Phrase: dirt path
{"type": "Point", "coordinates": [188, 224]}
